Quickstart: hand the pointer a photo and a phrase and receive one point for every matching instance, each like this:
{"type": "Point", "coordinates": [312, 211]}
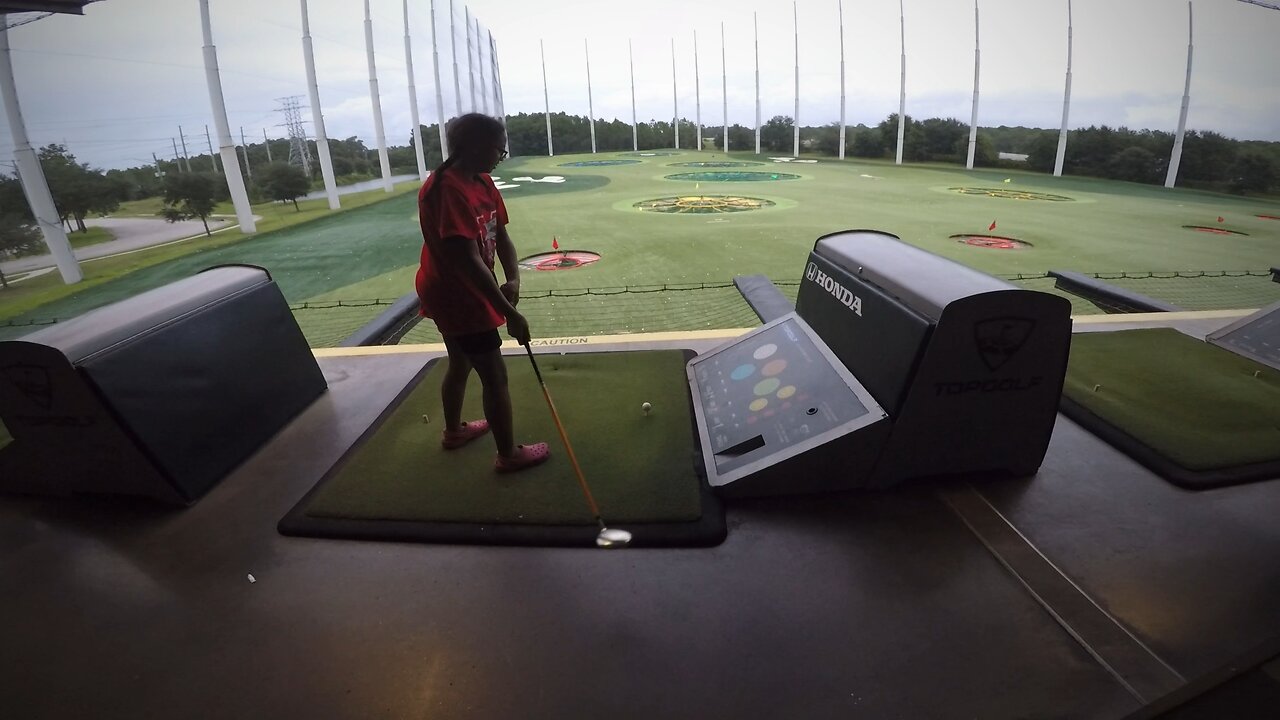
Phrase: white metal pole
{"type": "Point", "coordinates": [231, 168]}
{"type": "Point", "coordinates": [591, 111]}
{"type": "Point", "coordinates": [973, 122]}
{"type": "Point", "coordinates": [902, 95]}
{"type": "Point", "coordinates": [383, 159]}
{"type": "Point", "coordinates": [675, 96]}
{"type": "Point", "coordinates": [435, 66]}
{"type": "Point", "coordinates": [1066, 104]}
{"type": "Point", "coordinates": [471, 71]}
{"type": "Point", "coordinates": [420, 153]}
{"type": "Point", "coordinates": [697, 94]}
{"type": "Point", "coordinates": [317, 118]}
{"type": "Point", "coordinates": [795, 16]}
{"type": "Point", "coordinates": [840, 5]}
{"type": "Point", "coordinates": [265, 142]}
{"type": "Point", "coordinates": [453, 48]}
{"type": "Point", "coordinates": [31, 175]}
{"type": "Point", "coordinates": [724, 92]}
{"type": "Point", "coordinates": [484, 95]}
{"type": "Point", "coordinates": [244, 150]}
{"type": "Point", "coordinates": [635, 141]}
{"type": "Point", "coordinates": [546, 101]}
{"type": "Point", "coordinates": [755, 22]}
{"type": "Point", "coordinates": [497, 87]}
{"type": "Point", "coordinates": [1176, 158]}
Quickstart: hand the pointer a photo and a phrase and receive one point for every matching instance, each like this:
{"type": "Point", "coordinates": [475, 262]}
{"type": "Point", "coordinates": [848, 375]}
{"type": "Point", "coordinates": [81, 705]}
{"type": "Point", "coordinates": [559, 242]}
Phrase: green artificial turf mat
{"type": "Point", "coordinates": [644, 471]}
{"type": "Point", "coordinates": [1197, 414]}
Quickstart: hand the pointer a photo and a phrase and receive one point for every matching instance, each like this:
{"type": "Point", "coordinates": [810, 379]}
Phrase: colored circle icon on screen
{"type": "Point", "coordinates": [764, 351]}
{"type": "Point", "coordinates": [786, 392]}
{"type": "Point", "coordinates": [758, 404]}
{"type": "Point", "coordinates": [742, 372]}
{"type": "Point", "coordinates": [773, 367]}
{"type": "Point", "coordinates": [766, 386]}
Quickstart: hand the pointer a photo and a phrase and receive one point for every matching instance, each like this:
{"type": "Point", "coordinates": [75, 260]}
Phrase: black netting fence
{"type": "Point", "coordinates": [719, 305]}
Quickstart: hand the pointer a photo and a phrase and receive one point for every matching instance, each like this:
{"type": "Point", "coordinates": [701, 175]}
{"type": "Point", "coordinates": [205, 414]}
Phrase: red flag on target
{"type": "Point", "coordinates": [555, 244]}
{"type": "Point", "coordinates": [992, 226]}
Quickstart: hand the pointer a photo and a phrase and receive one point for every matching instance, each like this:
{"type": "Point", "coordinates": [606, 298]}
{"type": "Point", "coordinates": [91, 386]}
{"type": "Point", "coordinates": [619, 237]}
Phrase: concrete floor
{"type": "Point", "coordinates": [859, 604]}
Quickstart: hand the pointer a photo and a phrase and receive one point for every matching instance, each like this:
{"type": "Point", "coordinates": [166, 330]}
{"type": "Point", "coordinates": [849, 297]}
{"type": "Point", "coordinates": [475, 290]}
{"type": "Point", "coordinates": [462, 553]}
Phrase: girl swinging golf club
{"type": "Point", "coordinates": [463, 222]}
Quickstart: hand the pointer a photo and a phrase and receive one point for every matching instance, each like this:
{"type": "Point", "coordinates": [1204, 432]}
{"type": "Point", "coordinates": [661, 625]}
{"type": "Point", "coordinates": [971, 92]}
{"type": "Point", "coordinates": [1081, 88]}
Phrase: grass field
{"type": "Point", "coordinates": [371, 253]}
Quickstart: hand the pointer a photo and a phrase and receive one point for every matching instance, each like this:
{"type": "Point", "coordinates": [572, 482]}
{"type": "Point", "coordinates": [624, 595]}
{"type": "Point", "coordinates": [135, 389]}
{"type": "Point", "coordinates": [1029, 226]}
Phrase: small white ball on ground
{"type": "Point", "coordinates": [646, 407]}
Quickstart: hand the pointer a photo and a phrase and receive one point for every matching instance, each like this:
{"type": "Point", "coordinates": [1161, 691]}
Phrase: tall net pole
{"type": "Point", "coordinates": [591, 110]}
{"type": "Point", "coordinates": [755, 23]}
{"type": "Point", "coordinates": [546, 99]}
{"type": "Point", "coordinates": [635, 139]}
{"type": "Point", "coordinates": [973, 121]}
{"type": "Point", "coordinates": [435, 66]}
{"type": "Point", "coordinates": [1066, 105]}
{"type": "Point", "coordinates": [1176, 158]}
{"type": "Point", "coordinates": [902, 94]}
{"type": "Point", "coordinates": [724, 92]}
{"type": "Point", "coordinates": [453, 49]}
{"type": "Point", "coordinates": [484, 95]}
{"type": "Point", "coordinates": [420, 153]}
{"type": "Point", "coordinates": [471, 70]}
{"type": "Point", "coordinates": [383, 160]}
{"type": "Point", "coordinates": [498, 99]}
{"type": "Point", "coordinates": [697, 93]}
{"type": "Point", "coordinates": [317, 117]}
{"type": "Point", "coordinates": [675, 96]}
{"type": "Point", "coordinates": [795, 17]}
{"type": "Point", "coordinates": [840, 5]}
{"type": "Point", "coordinates": [226, 146]}
{"type": "Point", "coordinates": [30, 174]}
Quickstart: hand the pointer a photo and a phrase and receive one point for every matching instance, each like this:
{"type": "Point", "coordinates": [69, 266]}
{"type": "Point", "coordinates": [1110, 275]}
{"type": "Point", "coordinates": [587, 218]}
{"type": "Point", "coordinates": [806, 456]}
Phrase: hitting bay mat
{"type": "Point", "coordinates": [1196, 414]}
{"type": "Point", "coordinates": [644, 470]}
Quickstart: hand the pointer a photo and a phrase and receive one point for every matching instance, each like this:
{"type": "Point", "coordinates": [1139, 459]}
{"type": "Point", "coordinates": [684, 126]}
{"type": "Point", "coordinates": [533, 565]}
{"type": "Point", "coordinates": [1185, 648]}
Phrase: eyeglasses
{"type": "Point", "coordinates": [502, 153]}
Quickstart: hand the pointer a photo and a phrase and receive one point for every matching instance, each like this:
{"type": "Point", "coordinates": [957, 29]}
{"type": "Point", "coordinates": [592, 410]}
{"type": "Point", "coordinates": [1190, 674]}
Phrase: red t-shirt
{"type": "Point", "coordinates": [460, 207]}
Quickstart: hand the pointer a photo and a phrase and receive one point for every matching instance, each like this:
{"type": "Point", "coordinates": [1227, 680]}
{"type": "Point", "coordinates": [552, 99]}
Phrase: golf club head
{"type": "Point", "coordinates": [612, 538]}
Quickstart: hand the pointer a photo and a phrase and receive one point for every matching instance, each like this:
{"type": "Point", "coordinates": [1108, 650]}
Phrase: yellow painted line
{"type": "Point", "coordinates": [1162, 317]}
{"type": "Point", "coordinates": [578, 341]}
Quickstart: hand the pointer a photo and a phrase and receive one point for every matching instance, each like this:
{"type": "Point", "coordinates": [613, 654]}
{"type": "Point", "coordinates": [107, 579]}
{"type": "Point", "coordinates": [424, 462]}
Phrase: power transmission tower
{"type": "Point", "coordinates": [299, 152]}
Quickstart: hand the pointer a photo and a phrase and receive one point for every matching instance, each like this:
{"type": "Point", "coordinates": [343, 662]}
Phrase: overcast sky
{"type": "Point", "coordinates": [116, 83]}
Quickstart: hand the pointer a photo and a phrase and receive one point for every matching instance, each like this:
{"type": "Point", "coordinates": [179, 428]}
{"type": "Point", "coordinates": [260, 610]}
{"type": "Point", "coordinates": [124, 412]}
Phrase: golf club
{"type": "Point", "coordinates": [607, 538]}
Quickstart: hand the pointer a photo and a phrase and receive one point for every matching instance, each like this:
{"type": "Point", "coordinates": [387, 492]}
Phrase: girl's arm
{"type": "Point", "coordinates": [510, 266]}
{"type": "Point", "coordinates": [463, 255]}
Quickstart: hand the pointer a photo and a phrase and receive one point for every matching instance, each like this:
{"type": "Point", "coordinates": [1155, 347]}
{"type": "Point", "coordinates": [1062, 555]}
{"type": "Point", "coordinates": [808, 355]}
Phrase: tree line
{"type": "Point", "coordinates": [191, 187]}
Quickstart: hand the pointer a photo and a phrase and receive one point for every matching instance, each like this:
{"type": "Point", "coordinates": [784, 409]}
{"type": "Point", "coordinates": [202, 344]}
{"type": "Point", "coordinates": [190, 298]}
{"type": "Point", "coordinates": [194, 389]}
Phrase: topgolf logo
{"type": "Point", "coordinates": [838, 291]}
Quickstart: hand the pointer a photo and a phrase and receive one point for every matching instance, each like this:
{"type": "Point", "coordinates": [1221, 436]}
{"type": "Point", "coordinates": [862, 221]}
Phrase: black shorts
{"type": "Point", "coordinates": [481, 343]}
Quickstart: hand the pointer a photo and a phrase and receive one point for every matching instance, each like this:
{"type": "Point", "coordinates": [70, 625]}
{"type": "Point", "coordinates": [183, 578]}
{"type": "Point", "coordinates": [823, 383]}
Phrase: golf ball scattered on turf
{"type": "Point", "coordinates": [646, 407]}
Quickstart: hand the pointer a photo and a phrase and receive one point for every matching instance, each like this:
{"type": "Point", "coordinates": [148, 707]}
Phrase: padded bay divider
{"type": "Point", "coordinates": [159, 395]}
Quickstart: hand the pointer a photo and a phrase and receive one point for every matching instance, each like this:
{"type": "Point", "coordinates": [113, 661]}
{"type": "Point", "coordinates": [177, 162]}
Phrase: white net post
{"type": "Point", "coordinates": [591, 112]}
{"type": "Point", "coordinates": [973, 122]}
{"type": "Point", "coordinates": [1066, 105]}
{"type": "Point", "coordinates": [317, 116]}
{"type": "Point", "coordinates": [384, 161]}
{"type": "Point", "coordinates": [724, 91]}
{"type": "Point", "coordinates": [635, 139]}
{"type": "Point", "coordinates": [697, 95]}
{"type": "Point", "coordinates": [30, 174]}
{"type": "Point", "coordinates": [435, 68]}
{"type": "Point", "coordinates": [675, 97]}
{"type": "Point", "coordinates": [755, 22]}
{"type": "Point", "coordinates": [546, 99]}
{"type": "Point", "coordinates": [902, 93]}
{"type": "Point", "coordinates": [795, 16]}
{"type": "Point", "coordinates": [1176, 157]}
{"type": "Point", "coordinates": [840, 7]}
{"type": "Point", "coordinates": [420, 153]}
{"type": "Point", "coordinates": [235, 183]}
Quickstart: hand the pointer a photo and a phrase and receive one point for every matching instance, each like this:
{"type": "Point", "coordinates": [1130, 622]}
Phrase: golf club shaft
{"type": "Point", "coordinates": [564, 438]}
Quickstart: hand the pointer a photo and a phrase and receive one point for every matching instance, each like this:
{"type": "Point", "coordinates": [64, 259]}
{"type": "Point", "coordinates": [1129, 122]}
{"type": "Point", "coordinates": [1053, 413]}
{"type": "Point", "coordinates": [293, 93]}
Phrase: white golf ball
{"type": "Point", "coordinates": [646, 408]}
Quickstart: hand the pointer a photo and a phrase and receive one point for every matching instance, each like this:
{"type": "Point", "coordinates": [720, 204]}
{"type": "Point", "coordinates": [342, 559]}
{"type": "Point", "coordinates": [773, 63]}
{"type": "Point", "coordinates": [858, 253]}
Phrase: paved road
{"type": "Point", "coordinates": [360, 186]}
{"type": "Point", "coordinates": [131, 234]}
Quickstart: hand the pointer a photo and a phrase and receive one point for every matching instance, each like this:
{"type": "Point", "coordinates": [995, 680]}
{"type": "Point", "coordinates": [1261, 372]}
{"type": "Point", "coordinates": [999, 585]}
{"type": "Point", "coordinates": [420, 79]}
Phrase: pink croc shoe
{"type": "Point", "coordinates": [526, 457]}
{"type": "Point", "coordinates": [454, 439]}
